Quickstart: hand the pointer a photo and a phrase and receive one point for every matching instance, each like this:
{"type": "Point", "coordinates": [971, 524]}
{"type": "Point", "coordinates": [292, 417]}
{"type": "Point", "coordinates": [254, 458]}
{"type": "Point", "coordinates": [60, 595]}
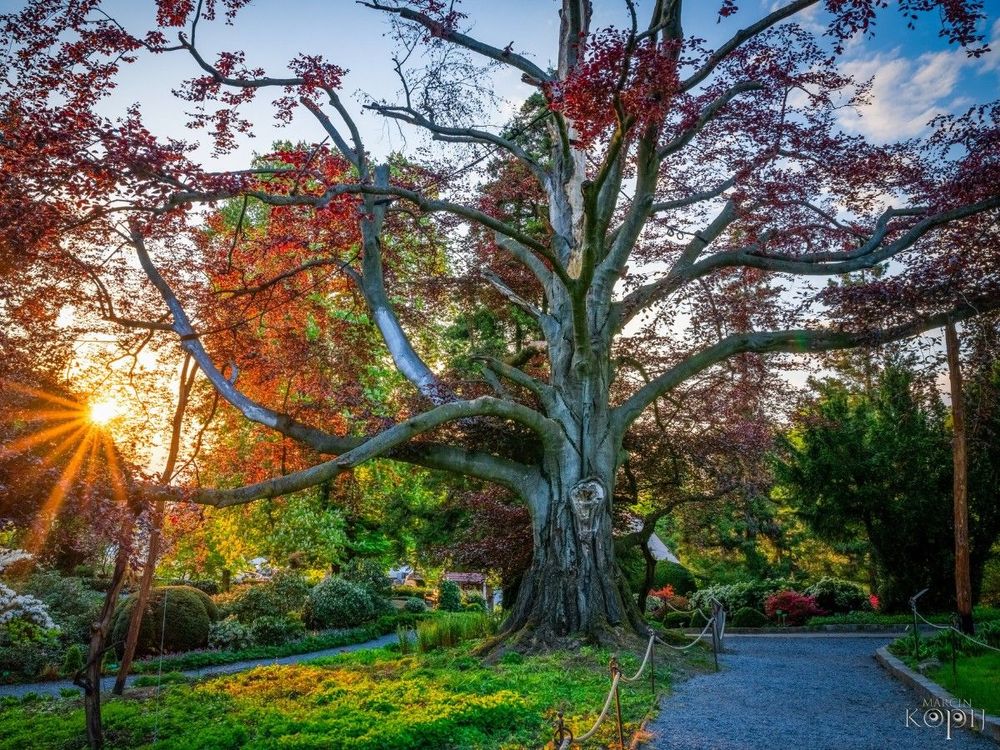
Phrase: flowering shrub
{"type": "Point", "coordinates": [873, 602]}
{"type": "Point", "coordinates": [14, 606]}
{"type": "Point", "coordinates": [837, 595]}
{"type": "Point", "coordinates": [796, 607]}
{"type": "Point", "coordinates": [229, 635]}
{"type": "Point", "coordinates": [336, 603]}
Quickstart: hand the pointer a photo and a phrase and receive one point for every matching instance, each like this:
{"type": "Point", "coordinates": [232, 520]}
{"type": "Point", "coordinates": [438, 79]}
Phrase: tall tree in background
{"type": "Point", "coordinates": [960, 471]}
{"type": "Point", "coordinates": [668, 169]}
{"type": "Point", "coordinates": [877, 465]}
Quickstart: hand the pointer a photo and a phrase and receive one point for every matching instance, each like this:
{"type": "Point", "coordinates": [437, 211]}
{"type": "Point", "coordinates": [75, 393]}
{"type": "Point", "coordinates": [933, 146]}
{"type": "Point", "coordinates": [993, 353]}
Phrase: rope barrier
{"type": "Point", "coordinates": [590, 733]}
{"type": "Point", "coordinates": [564, 735]}
{"type": "Point", "coordinates": [692, 643]}
{"type": "Point", "coordinates": [645, 661]}
{"type": "Point", "coordinates": [955, 630]}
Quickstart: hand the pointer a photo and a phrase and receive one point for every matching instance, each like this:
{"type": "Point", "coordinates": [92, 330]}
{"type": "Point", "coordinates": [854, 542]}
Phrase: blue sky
{"type": "Point", "coordinates": [917, 75]}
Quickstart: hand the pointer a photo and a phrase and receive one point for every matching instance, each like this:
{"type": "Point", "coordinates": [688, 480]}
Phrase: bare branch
{"type": "Point", "coordinates": [506, 56]}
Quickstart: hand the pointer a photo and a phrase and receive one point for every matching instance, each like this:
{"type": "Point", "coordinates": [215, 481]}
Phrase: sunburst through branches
{"type": "Point", "coordinates": [70, 442]}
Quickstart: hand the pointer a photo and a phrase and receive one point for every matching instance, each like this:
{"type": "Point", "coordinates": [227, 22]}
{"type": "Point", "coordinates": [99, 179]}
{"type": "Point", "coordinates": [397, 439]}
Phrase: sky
{"type": "Point", "coordinates": [916, 73]}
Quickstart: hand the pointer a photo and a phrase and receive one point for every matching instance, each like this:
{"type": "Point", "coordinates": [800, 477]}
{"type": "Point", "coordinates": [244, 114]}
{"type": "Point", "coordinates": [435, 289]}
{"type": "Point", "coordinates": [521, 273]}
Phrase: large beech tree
{"type": "Point", "coordinates": [655, 174]}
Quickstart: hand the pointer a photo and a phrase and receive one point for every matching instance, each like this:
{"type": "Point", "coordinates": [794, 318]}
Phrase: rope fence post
{"type": "Point", "coordinates": [652, 666]}
{"type": "Point", "coordinates": [615, 671]}
{"type": "Point", "coordinates": [916, 632]}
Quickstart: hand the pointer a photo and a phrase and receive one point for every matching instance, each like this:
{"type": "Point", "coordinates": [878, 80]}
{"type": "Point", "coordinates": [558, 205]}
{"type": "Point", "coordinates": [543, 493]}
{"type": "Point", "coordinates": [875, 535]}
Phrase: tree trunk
{"type": "Point", "coordinates": [89, 677]}
{"type": "Point", "coordinates": [963, 582]}
{"type": "Point", "coordinates": [573, 586]}
{"type": "Point", "coordinates": [649, 579]}
{"type": "Point", "coordinates": [142, 596]}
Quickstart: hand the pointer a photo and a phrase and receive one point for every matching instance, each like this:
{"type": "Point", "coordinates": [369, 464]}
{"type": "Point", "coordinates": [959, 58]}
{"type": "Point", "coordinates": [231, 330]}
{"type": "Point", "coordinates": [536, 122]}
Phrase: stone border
{"type": "Point", "coordinates": [929, 690]}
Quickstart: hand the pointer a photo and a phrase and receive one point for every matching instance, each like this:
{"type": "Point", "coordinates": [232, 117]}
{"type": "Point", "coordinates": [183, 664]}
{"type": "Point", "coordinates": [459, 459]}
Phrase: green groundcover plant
{"type": "Point", "coordinates": [367, 700]}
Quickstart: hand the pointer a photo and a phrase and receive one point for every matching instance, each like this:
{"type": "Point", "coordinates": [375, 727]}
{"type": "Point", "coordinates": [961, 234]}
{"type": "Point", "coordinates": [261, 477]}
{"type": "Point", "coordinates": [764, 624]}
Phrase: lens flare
{"type": "Point", "coordinates": [102, 412]}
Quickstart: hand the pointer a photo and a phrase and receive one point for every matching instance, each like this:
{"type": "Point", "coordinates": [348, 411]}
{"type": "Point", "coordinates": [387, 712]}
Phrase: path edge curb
{"type": "Point", "coordinates": [930, 690]}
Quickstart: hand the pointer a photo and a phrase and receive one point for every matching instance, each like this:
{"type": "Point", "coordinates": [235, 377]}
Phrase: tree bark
{"type": "Point", "coordinates": [963, 579]}
{"type": "Point", "coordinates": [89, 677]}
{"type": "Point", "coordinates": [573, 586]}
{"type": "Point", "coordinates": [142, 596]}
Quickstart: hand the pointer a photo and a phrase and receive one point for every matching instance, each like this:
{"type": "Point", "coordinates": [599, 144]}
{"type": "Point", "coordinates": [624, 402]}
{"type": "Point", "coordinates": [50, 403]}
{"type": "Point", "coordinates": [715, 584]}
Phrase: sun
{"type": "Point", "coordinates": [102, 412]}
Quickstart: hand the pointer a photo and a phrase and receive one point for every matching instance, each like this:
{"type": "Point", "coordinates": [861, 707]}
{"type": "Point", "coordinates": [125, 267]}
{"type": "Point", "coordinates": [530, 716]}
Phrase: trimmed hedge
{"type": "Point", "coordinates": [188, 616]}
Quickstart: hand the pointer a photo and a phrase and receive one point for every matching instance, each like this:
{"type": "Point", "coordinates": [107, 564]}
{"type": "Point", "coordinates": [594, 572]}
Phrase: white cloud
{"type": "Point", "coordinates": [906, 92]}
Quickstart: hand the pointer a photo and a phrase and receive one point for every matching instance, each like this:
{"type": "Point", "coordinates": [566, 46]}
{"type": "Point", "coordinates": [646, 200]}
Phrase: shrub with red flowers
{"type": "Point", "coordinates": [873, 601]}
{"type": "Point", "coordinates": [796, 607]}
{"type": "Point", "coordinates": [667, 592]}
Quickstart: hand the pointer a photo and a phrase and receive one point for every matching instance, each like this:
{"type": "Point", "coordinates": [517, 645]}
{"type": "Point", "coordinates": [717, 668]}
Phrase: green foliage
{"type": "Point", "coordinates": [413, 604]}
{"type": "Point", "coordinates": [447, 630]}
{"type": "Point", "coordinates": [362, 701]}
{"type": "Point", "coordinates": [838, 596]}
{"type": "Point", "coordinates": [229, 634]}
{"type": "Point", "coordinates": [475, 602]}
{"type": "Point", "coordinates": [412, 591]}
{"type": "Point", "coordinates": [676, 619]}
{"type": "Point", "coordinates": [273, 630]}
{"type": "Point", "coordinates": [307, 644]}
{"type": "Point", "coordinates": [748, 617]}
{"type": "Point", "coordinates": [72, 604]}
{"type": "Point", "coordinates": [176, 617]}
{"type": "Point", "coordinates": [209, 586]}
{"type": "Point", "coordinates": [156, 680]}
{"type": "Point", "coordinates": [674, 574]}
{"type": "Point", "coordinates": [735, 596]}
{"type": "Point", "coordinates": [405, 643]}
{"type": "Point", "coordinates": [336, 603]}
{"type": "Point", "coordinates": [976, 682]}
{"type": "Point", "coordinates": [368, 573]}
{"type": "Point", "coordinates": [286, 592]}
{"type": "Point", "coordinates": [449, 596]}
{"type": "Point", "coordinates": [28, 652]}
{"type": "Point", "coordinates": [73, 660]}
{"type": "Point", "coordinates": [876, 465]}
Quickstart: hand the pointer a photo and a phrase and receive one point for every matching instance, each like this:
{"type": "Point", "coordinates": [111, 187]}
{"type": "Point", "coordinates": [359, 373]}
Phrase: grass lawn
{"type": "Point", "coordinates": [978, 681]}
{"type": "Point", "coordinates": [365, 700]}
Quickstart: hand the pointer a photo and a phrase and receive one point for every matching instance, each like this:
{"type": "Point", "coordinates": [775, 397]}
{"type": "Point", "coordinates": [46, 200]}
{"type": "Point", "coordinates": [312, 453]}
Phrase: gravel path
{"type": "Point", "coordinates": [55, 688]}
{"type": "Point", "coordinates": [818, 692]}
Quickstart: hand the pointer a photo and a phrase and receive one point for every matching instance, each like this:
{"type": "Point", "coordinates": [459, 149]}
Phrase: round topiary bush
{"type": "Point", "coordinates": [336, 603]}
{"type": "Point", "coordinates": [748, 617]}
{"type": "Point", "coordinates": [187, 617]}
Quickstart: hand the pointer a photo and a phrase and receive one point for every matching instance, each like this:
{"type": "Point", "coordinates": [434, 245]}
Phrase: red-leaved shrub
{"type": "Point", "coordinates": [797, 607]}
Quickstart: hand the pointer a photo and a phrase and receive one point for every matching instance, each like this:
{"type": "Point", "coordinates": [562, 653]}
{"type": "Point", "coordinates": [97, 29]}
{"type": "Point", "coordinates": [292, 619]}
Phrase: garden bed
{"type": "Point", "coordinates": [370, 699]}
